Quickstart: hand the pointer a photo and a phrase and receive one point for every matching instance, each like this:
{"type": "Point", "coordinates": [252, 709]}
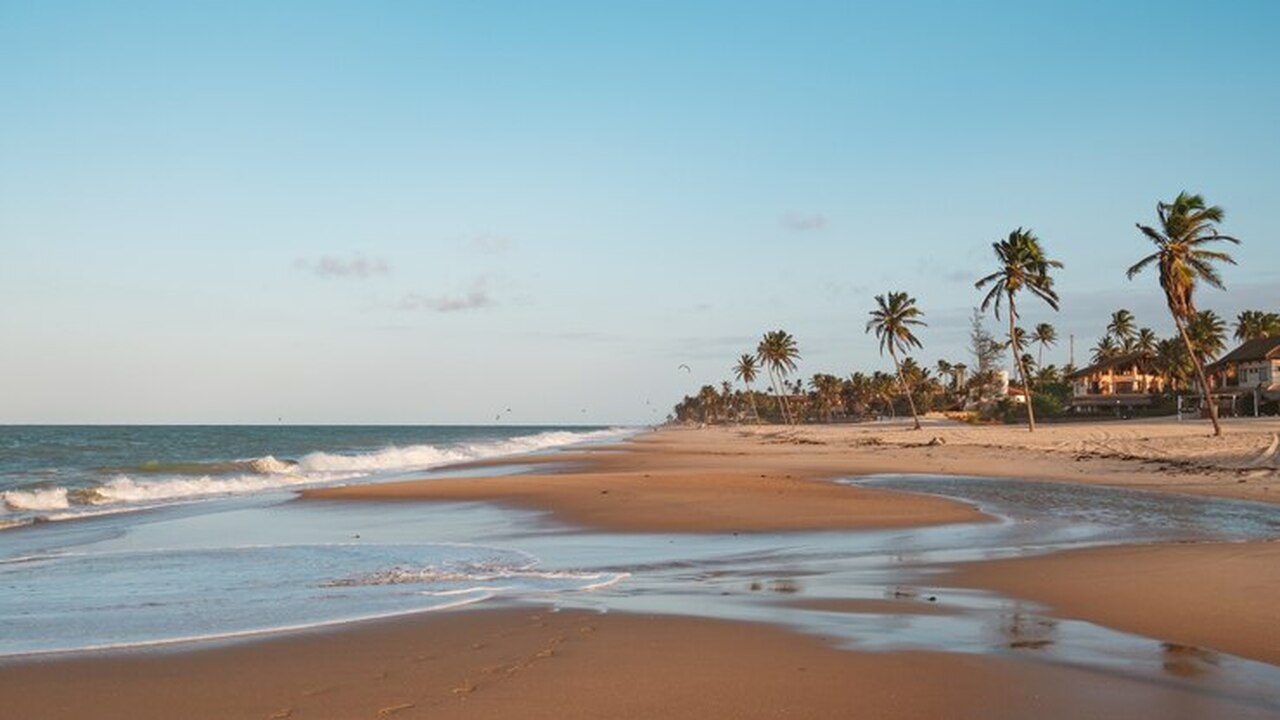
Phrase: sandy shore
{"type": "Point", "coordinates": [534, 664]}
{"type": "Point", "coordinates": [1224, 596]}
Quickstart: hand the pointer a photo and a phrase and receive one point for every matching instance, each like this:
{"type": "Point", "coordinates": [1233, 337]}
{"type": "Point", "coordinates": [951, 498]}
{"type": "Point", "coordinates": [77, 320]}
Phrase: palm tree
{"type": "Point", "coordinates": [708, 398]}
{"type": "Point", "coordinates": [826, 390]}
{"type": "Point", "coordinates": [1017, 339]}
{"type": "Point", "coordinates": [1048, 375]}
{"type": "Point", "coordinates": [778, 352]}
{"type": "Point", "coordinates": [1122, 328]}
{"type": "Point", "coordinates": [1023, 265]}
{"type": "Point", "coordinates": [861, 392]}
{"type": "Point", "coordinates": [885, 387]}
{"type": "Point", "coordinates": [745, 371]}
{"type": "Point", "coordinates": [892, 321]}
{"type": "Point", "coordinates": [1105, 349]}
{"type": "Point", "coordinates": [1256, 324]}
{"type": "Point", "coordinates": [1172, 364]}
{"type": "Point", "coordinates": [1145, 342]}
{"type": "Point", "coordinates": [1186, 227]}
{"type": "Point", "coordinates": [1208, 334]}
{"type": "Point", "coordinates": [1045, 336]}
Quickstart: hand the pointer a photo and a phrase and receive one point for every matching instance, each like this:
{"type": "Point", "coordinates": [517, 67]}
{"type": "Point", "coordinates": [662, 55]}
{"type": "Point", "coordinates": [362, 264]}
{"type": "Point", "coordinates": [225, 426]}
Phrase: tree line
{"type": "Point", "coordinates": [1185, 256]}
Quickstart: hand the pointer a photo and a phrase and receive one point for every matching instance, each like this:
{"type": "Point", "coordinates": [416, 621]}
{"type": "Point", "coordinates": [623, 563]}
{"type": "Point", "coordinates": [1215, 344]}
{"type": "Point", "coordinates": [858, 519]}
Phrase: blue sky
{"type": "Point", "coordinates": [431, 212]}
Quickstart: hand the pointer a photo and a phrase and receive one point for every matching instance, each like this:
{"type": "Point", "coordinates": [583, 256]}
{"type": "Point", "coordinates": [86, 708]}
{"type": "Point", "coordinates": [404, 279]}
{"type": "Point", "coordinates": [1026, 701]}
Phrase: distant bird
{"type": "Point", "coordinates": [684, 367]}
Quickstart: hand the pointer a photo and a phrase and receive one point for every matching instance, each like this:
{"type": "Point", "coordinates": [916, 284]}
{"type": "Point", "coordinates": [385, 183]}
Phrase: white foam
{"type": "Point", "coordinates": [38, 499]}
{"type": "Point", "coordinates": [425, 456]}
{"type": "Point", "coordinates": [269, 473]}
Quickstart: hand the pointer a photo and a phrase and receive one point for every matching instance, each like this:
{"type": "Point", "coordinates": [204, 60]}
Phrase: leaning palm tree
{"type": "Point", "coordinates": [1045, 336]}
{"type": "Point", "coordinates": [777, 351]}
{"type": "Point", "coordinates": [745, 371]}
{"type": "Point", "coordinates": [1023, 265]}
{"type": "Point", "coordinates": [892, 321]}
{"type": "Point", "coordinates": [1187, 226]}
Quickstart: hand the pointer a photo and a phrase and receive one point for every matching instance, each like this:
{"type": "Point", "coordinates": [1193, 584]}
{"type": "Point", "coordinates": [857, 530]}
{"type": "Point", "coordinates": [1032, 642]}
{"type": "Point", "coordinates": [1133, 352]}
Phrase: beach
{"type": "Point", "coordinates": [1202, 614]}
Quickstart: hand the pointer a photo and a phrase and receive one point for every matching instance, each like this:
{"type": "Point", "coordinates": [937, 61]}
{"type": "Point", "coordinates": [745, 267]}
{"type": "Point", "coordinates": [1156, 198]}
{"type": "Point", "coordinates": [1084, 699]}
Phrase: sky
{"type": "Point", "coordinates": [431, 212]}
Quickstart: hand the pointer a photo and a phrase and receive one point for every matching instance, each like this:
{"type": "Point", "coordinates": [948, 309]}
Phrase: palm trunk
{"type": "Point", "coordinates": [777, 394]}
{"type": "Point", "coordinates": [1022, 369]}
{"type": "Point", "coordinates": [1200, 375]}
{"type": "Point", "coordinates": [752, 397]}
{"type": "Point", "coordinates": [911, 403]}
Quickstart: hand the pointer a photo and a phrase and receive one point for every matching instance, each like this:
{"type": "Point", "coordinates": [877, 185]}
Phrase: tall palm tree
{"type": "Point", "coordinates": [1122, 328]}
{"type": "Point", "coordinates": [777, 351]}
{"type": "Point", "coordinates": [892, 320]}
{"type": "Point", "coordinates": [745, 371]}
{"type": "Point", "coordinates": [1187, 226]}
{"type": "Point", "coordinates": [1256, 324]}
{"type": "Point", "coordinates": [1045, 336]}
{"type": "Point", "coordinates": [1022, 265]}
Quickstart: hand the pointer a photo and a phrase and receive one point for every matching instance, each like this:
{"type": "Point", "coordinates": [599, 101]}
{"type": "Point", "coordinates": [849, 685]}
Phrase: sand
{"type": "Point", "coordinates": [564, 666]}
{"type": "Point", "coordinates": [1223, 596]}
{"type": "Point", "coordinates": [533, 664]}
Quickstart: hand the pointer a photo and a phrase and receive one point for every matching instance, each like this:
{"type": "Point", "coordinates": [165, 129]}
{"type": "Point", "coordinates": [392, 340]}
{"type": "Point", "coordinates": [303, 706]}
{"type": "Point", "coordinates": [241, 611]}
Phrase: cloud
{"type": "Point", "coordinates": [490, 244]}
{"type": "Point", "coordinates": [330, 266]}
{"type": "Point", "coordinates": [934, 270]}
{"type": "Point", "coordinates": [474, 299]}
{"type": "Point", "coordinates": [805, 223]}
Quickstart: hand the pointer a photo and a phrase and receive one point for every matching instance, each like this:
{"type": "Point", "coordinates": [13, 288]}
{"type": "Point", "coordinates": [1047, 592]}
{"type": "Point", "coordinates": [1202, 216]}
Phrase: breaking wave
{"type": "Point", "coordinates": [156, 483]}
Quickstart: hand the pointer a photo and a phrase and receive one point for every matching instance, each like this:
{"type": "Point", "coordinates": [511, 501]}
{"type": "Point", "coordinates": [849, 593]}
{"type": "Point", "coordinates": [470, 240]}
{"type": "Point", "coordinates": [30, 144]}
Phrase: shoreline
{"type": "Point", "coordinates": [485, 662]}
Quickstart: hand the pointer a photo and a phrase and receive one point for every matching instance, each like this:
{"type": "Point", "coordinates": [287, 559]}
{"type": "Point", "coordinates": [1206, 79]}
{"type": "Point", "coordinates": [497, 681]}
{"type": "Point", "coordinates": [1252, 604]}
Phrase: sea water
{"type": "Point", "coordinates": [68, 472]}
{"type": "Point", "coordinates": [130, 536]}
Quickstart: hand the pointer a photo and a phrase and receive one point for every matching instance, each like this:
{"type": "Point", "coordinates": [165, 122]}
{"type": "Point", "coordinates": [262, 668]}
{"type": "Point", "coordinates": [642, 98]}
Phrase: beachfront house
{"type": "Point", "coordinates": [1249, 375]}
{"type": "Point", "coordinates": [1124, 381]}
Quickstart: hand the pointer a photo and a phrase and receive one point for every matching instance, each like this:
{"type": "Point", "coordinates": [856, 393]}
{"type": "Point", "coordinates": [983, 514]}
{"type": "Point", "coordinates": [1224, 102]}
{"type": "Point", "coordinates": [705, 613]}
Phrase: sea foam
{"type": "Point", "coordinates": [268, 473]}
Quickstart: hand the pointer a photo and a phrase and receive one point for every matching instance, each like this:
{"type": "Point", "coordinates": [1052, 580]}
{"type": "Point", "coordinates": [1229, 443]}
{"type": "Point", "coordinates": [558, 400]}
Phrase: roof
{"type": "Point", "coordinates": [1126, 400]}
{"type": "Point", "coordinates": [1115, 362]}
{"type": "Point", "coordinates": [1260, 349]}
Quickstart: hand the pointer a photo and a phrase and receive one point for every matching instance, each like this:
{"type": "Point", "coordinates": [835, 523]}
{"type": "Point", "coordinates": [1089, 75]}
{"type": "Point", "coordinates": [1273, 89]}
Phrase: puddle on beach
{"type": "Point", "coordinates": [221, 569]}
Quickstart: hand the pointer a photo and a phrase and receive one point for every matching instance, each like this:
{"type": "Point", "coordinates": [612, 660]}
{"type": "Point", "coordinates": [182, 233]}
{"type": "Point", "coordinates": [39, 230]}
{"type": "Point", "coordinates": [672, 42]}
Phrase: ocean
{"type": "Point", "coordinates": [56, 473]}
{"type": "Point", "coordinates": [120, 536]}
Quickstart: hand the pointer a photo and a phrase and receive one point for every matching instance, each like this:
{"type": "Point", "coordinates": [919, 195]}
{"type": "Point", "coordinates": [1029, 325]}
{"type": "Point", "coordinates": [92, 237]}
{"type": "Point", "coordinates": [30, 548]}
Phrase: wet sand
{"type": "Point", "coordinates": [528, 664]}
{"type": "Point", "coordinates": [657, 498]}
{"type": "Point", "coordinates": [535, 664]}
{"type": "Point", "coordinates": [1223, 596]}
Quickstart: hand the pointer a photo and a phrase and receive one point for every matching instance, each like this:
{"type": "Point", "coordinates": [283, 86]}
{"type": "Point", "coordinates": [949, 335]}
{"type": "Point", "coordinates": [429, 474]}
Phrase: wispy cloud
{"type": "Point", "coordinates": [490, 244]}
{"type": "Point", "coordinates": [934, 270]}
{"type": "Point", "coordinates": [474, 299]}
{"type": "Point", "coordinates": [331, 266]}
{"type": "Point", "coordinates": [800, 222]}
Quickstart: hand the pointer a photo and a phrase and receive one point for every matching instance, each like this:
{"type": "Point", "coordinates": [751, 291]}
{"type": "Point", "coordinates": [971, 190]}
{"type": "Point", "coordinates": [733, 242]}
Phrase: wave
{"type": "Point", "coordinates": [263, 465]}
{"type": "Point", "coordinates": [424, 456]}
{"type": "Point", "coordinates": [158, 483]}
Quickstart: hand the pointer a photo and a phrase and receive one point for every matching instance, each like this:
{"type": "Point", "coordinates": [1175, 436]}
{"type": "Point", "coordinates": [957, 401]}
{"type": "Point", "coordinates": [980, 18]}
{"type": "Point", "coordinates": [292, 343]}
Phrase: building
{"type": "Point", "coordinates": [1250, 373]}
{"type": "Point", "coordinates": [1124, 381]}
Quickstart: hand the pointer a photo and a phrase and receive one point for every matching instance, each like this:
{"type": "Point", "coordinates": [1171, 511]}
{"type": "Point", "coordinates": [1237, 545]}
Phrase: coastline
{"type": "Point", "coordinates": [535, 663]}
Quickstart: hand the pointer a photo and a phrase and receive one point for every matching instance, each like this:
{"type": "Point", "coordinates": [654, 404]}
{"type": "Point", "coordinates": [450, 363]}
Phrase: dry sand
{"type": "Point", "coordinates": [521, 663]}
